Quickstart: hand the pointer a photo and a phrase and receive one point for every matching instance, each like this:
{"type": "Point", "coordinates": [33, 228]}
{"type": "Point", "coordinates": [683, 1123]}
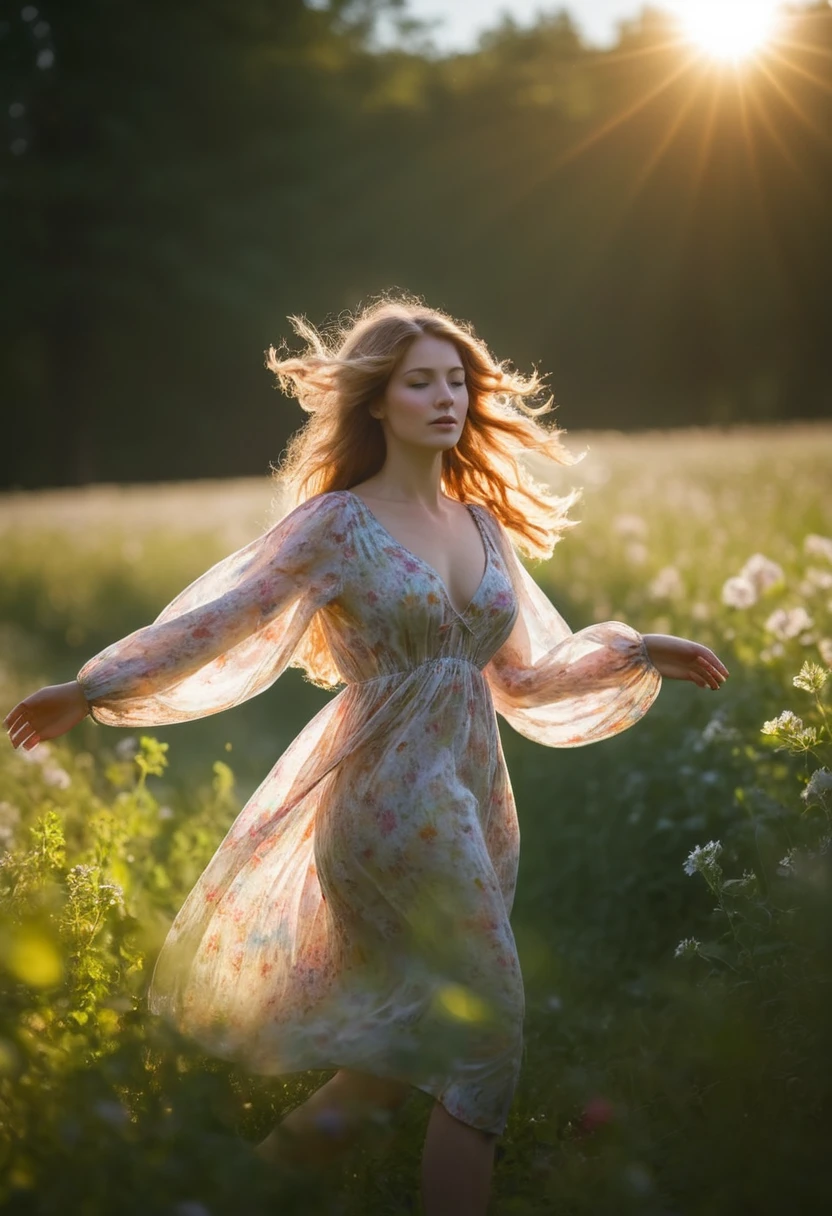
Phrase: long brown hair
{"type": "Point", "coordinates": [341, 445]}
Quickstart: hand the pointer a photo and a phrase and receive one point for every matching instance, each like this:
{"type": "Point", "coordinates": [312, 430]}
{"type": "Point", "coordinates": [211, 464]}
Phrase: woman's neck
{"type": "Point", "coordinates": [404, 477]}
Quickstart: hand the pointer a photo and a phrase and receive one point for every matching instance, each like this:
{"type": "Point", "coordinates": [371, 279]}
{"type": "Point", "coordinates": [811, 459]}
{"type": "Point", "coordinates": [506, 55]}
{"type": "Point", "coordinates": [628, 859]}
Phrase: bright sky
{"type": "Point", "coordinates": [463, 19]}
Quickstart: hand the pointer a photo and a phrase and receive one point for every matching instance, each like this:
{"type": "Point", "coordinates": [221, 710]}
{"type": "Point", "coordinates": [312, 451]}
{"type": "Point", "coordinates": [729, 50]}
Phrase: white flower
{"type": "Point", "coordinates": [788, 864]}
{"type": "Point", "coordinates": [629, 525]}
{"type": "Point", "coordinates": [36, 755]}
{"type": "Point", "coordinates": [819, 790]}
{"type": "Point", "coordinates": [716, 731]}
{"type": "Point", "coordinates": [817, 546]}
{"type": "Point", "coordinates": [786, 722]}
{"type": "Point", "coordinates": [811, 677]}
{"type": "Point", "coordinates": [127, 748]}
{"type": "Point", "coordinates": [738, 593]}
{"type": "Point", "coordinates": [703, 857]}
{"type": "Point", "coordinates": [825, 648]}
{"type": "Point", "coordinates": [53, 774]}
{"type": "Point", "coordinates": [791, 728]}
{"type": "Point", "coordinates": [775, 651]}
{"type": "Point", "coordinates": [788, 623]}
{"type": "Point", "coordinates": [9, 820]}
{"type": "Point", "coordinates": [687, 947]}
{"type": "Point", "coordinates": [636, 553]}
{"type": "Point", "coordinates": [816, 577]}
{"type": "Point", "coordinates": [761, 572]}
{"type": "Point", "coordinates": [667, 584]}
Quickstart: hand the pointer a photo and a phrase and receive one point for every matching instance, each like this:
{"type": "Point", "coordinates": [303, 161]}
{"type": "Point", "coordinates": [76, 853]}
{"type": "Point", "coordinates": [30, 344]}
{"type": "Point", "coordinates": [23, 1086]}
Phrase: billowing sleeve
{"type": "Point", "coordinates": [566, 689]}
{"type": "Point", "coordinates": [230, 633]}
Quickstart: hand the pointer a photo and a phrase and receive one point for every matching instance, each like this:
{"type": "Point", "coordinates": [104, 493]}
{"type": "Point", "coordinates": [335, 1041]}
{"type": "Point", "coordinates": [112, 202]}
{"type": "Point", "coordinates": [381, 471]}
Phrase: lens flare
{"type": "Point", "coordinates": [729, 29]}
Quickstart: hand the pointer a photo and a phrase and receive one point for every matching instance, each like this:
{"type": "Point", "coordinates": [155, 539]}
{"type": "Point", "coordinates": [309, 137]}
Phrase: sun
{"type": "Point", "coordinates": [729, 29]}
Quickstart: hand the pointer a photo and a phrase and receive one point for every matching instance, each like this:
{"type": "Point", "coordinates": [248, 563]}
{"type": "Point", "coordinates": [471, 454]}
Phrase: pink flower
{"type": "Point", "coordinates": [596, 1112]}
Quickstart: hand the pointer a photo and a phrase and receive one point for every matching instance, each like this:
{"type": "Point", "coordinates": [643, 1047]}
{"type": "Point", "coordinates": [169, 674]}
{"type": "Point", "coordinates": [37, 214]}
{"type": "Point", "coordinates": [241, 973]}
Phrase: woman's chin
{"type": "Point", "coordinates": [444, 440]}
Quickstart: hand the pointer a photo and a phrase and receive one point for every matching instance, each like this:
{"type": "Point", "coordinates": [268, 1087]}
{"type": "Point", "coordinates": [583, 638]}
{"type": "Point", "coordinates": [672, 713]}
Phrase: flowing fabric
{"type": "Point", "coordinates": [357, 912]}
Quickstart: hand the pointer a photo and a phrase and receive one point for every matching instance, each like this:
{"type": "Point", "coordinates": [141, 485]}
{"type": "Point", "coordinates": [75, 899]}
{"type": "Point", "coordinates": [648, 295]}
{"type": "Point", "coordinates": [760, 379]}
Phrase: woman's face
{"type": "Point", "coordinates": [428, 384]}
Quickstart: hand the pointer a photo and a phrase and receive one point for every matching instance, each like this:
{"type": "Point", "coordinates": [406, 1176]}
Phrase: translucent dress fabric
{"type": "Point", "coordinates": [356, 914]}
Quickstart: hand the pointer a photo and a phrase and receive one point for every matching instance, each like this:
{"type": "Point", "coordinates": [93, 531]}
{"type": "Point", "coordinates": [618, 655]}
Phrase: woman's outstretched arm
{"type": "Point", "coordinates": [566, 689]}
{"type": "Point", "coordinates": [225, 638]}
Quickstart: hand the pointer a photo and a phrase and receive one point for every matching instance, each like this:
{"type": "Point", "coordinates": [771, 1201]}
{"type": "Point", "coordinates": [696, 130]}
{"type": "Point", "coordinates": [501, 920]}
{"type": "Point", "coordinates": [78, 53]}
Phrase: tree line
{"type": "Point", "coordinates": [650, 229]}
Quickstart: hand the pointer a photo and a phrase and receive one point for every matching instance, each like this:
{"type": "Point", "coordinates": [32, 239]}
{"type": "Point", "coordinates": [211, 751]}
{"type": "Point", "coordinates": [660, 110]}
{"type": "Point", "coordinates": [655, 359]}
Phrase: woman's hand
{"type": "Point", "coordinates": [679, 659]}
{"type": "Point", "coordinates": [47, 713]}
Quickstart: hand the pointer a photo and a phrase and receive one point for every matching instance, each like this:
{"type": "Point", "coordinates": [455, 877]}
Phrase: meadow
{"type": "Point", "coordinates": [674, 904]}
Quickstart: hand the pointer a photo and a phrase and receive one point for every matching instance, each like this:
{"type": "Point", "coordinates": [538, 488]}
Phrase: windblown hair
{"type": "Point", "coordinates": [346, 369]}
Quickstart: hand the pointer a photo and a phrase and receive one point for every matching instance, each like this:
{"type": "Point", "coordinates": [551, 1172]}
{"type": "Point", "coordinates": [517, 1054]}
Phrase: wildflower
{"type": "Point", "coordinates": [821, 579]}
{"type": "Point", "coordinates": [53, 774]}
{"type": "Point", "coordinates": [111, 894]}
{"type": "Point", "coordinates": [704, 858]}
{"type": "Point", "coordinates": [788, 623]}
{"type": "Point", "coordinates": [688, 947]}
{"type": "Point", "coordinates": [825, 649]}
{"type": "Point", "coordinates": [818, 546]}
{"type": "Point", "coordinates": [761, 572]}
{"type": "Point", "coordinates": [811, 677]}
{"type": "Point", "coordinates": [717, 731]}
{"type": "Point", "coordinates": [787, 865]}
{"type": "Point", "coordinates": [738, 593]}
{"type": "Point", "coordinates": [775, 651]}
{"type": "Point", "coordinates": [818, 792]}
{"type": "Point", "coordinates": [629, 525]}
{"type": "Point", "coordinates": [596, 1112]}
{"type": "Point", "coordinates": [748, 882]}
{"type": "Point", "coordinates": [127, 748]}
{"type": "Point", "coordinates": [36, 755]}
{"type": "Point", "coordinates": [791, 728]}
{"type": "Point", "coordinates": [667, 584]}
{"type": "Point", "coordinates": [9, 820]}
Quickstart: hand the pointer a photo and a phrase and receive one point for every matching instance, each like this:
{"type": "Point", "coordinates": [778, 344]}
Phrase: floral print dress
{"type": "Point", "coordinates": [357, 912]}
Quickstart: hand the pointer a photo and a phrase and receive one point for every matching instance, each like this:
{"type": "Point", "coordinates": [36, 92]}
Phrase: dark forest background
{"type": "Point", "coordinates": [650, 229]}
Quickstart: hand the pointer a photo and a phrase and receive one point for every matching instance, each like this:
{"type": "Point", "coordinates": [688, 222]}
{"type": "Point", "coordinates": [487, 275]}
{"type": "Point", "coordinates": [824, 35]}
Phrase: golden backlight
{"type": "Point", "coordinates": [729, 29]}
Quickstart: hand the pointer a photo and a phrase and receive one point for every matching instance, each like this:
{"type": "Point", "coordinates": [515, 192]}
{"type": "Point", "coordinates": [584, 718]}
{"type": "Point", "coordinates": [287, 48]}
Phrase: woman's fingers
{"type": "Point", "coordinates": [716, 662]}
{"type": "Point", "coordinates": [14, 716]}
{"type": "Point", "coordinates": [21, 732]}
{"type": "Point", "coordinates": [716, 674]}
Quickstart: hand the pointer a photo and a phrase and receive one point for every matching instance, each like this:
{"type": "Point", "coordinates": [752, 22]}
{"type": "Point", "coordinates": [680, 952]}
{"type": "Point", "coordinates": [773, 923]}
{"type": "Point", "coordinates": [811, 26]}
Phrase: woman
{"type": "Point", "coordinates": [356, 916]}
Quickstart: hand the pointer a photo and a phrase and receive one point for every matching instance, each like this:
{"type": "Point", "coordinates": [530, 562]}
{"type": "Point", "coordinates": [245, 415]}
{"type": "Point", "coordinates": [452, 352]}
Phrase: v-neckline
{"type": "Point", "coordinates": [415, 556]}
